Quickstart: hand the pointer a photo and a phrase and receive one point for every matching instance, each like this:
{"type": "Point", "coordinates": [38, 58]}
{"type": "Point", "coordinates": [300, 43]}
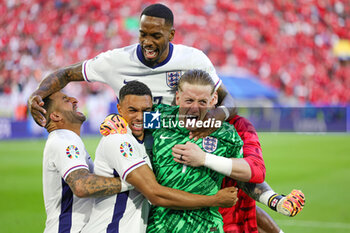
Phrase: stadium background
{"type": "Point", "coordinates": [286, 62]}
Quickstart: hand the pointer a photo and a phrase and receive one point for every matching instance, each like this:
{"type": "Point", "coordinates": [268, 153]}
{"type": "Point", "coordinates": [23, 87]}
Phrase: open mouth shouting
{"type": "Point", "coordinates": [150, 54]}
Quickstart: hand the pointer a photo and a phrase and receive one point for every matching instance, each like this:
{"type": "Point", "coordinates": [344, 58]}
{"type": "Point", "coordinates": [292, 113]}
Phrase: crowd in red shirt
{"type": "Point", "coordinates": [287, 44]}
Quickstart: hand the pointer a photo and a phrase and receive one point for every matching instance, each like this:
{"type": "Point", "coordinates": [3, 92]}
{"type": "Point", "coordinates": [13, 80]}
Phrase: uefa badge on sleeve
{"type": "Point", "coordinates": [151, 120]}
{"type": "Point", "coordinates": [126, 149]}
{"type": "Point", "coordinates": [72, 152]}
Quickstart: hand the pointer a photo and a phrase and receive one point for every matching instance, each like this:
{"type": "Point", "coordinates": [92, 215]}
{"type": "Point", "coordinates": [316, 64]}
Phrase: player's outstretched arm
{"type": "Point", "coordinates": [143, 179]}
{"type": "Point", "coordinates": [192, 155]}
{"type": "Point", "coordinates": [289, 205]}
{"type": "Point", "coordinates": [85, 184]}
{"type": "Point", "coordinates": [51, 84]}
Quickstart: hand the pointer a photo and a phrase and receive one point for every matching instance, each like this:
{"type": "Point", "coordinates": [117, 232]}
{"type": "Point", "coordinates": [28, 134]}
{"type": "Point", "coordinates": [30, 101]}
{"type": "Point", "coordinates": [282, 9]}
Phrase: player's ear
{"type": "Point", "coordinates": [177, 98]}
{"type": "Point", "coordinates": [119, 108]}
{"type": "Point", "coordinates": [172, 34]}
{"type": "Point", "coordinates": [214, 100]}
{"type": "Point", "coordinates": [55, 116]}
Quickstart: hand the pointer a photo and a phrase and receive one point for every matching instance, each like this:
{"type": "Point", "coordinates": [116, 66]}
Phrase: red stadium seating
{"type": "Point", "coordinates": [288, 44]}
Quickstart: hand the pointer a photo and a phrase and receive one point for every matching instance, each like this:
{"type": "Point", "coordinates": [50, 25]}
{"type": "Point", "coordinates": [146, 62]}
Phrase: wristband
{"type": "Point", "coordinates": [274, 200]}
{"type": "Point", "coordinates": [227, 113]}
{"type": "Point", "coordinates": [271, 199]}
{"type": "Point", "coordinates": [219, 164]}
{"type": "Point", "coordinates": [265, 196]}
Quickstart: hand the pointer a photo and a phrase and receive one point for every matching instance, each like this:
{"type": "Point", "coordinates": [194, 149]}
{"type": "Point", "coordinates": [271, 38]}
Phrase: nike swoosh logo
{"type": "Point", "coordinates": [164, 137]}
{"type": "Point", "coordinates": [125, 82]}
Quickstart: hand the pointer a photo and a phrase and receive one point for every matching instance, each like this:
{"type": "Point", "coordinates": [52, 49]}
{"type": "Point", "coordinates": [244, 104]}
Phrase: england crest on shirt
{"type": "Point", "coordinates": [210, 144]}
{"type": "Point", "coordinates": [172, 78]}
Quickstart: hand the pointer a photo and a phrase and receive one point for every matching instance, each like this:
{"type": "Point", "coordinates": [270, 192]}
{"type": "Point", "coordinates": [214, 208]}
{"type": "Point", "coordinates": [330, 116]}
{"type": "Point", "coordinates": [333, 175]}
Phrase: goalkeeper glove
{"type": "Point", "coordinates": [112, 124]}
{"type": "Point", "coordinates": [289, 205]}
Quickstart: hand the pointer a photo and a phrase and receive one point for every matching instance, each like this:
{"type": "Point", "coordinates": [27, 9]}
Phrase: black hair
{"type": "Point", "coordinates": [160, 11]}
{"type": "Point", "coordinates": [134, 88]}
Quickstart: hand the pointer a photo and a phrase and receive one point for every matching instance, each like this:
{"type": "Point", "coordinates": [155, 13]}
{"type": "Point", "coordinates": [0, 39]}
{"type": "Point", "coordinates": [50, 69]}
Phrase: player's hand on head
{"type": "Point", "coordinates": [113, 124]}
{"type": "Point", "coordinates": [292, 204]}
{"type": "Point", "coordinates": [35, 106]}
{"type": "Point", "coordinates": [189, 154]}
{"type": "Point", "coordinates": [227, 197]}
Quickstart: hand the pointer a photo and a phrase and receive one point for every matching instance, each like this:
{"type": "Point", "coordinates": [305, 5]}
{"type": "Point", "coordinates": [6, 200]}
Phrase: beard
{"type": "Point", "coordinates": [74, 117]}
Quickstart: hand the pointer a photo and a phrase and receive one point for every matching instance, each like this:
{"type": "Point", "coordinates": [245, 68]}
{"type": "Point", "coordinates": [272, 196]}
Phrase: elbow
{"type": "Point", "coordinates": [257, 170]}
{"type": "Point", "coordinates": [80, 191]}
{"type": "Point", "coordinates": [249, 175]}
{"type": "Point", "coordinates": [262, 177]}
{"type": "Point", "coordinates": [156, 201]}
{"type": "Point", "coordinates": [155, 198]}
{"type": "Point", "coordinates": [257, 176]}
{"type": "Point", "coordinates": [246, 177]}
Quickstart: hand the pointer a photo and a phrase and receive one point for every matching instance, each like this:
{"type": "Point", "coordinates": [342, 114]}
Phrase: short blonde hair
{"type": "Point", "coordinates": [198, 77]}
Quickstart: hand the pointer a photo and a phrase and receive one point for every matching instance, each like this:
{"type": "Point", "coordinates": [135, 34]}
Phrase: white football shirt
{"type": "Point", "coordinates": [119, 66]}
{"type": "Point", "coordinates": [64, 152]}
{"type": "Point", "coordinates": [116, 156]}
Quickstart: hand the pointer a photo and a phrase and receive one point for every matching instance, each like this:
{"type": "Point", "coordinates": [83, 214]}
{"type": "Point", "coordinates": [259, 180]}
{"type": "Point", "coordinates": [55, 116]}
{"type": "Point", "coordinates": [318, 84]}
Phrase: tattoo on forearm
{"type": "Point", "coordinates": [91, 185]}
{"type": "Point", "coordinates": [74, 72]}
{"type": "Point", "coordinates": [59, 79]}
{"type": "Point", "coordinates": [254, 190]}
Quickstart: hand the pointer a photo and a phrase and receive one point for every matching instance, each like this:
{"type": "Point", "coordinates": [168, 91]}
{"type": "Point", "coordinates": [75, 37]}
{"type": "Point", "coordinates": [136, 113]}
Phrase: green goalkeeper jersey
{"type": "Point", "coordinates": [198, 180]}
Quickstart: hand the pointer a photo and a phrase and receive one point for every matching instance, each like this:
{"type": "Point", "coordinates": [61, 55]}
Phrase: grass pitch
{"type": "Point", "coordinates": [319, 165]}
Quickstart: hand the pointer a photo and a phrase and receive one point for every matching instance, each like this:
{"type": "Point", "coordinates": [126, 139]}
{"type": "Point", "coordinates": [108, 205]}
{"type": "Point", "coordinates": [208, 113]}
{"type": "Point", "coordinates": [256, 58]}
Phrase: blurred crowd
{"type": "Point", "coordinates": [288, 44]}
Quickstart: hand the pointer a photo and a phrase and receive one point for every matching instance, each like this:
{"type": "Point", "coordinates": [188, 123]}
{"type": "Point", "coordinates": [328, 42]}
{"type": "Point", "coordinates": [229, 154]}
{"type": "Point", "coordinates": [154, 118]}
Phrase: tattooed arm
{"type": "Point", "coordinates": [254, 190]}
{"type": "Point", "coordinates": [51, 84]}
{"type": "Point", "coordinates": [289, 205]}
{"type": "Point", "coordinates": [85, 184]}
{"type": "Point", "coordinates": [264, 222]}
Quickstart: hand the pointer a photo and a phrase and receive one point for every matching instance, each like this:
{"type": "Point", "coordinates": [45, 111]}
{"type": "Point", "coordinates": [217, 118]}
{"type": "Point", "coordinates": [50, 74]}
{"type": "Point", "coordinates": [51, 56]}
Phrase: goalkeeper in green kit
{"type": "Point", "coordinates": [196, 95]}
